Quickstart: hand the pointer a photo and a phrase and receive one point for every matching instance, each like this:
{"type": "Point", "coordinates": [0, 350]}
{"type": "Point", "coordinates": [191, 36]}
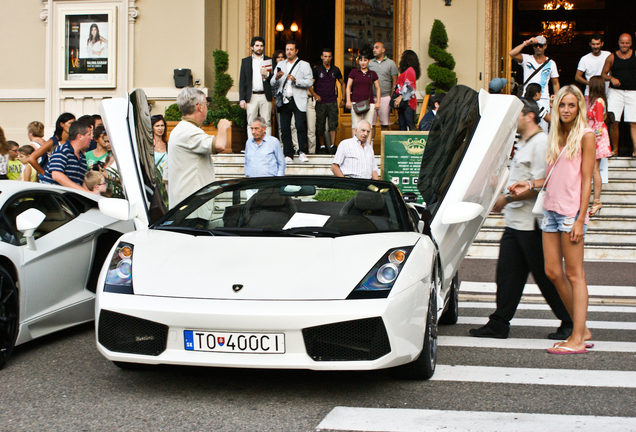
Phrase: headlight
{"type": "Point", "coordinates": [119, 277]}
{"type": "Point", "coordinates": [379, 281]}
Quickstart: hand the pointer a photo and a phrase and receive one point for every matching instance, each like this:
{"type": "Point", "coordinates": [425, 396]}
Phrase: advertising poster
{"type": "Point", "coordinates": [87, 48]}
{"type": "Point", "coordinates": [401, 159]}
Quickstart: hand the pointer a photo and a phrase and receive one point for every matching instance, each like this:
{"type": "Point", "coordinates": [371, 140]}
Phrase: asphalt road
{"type": "Point", "coordinates": [61, 382]}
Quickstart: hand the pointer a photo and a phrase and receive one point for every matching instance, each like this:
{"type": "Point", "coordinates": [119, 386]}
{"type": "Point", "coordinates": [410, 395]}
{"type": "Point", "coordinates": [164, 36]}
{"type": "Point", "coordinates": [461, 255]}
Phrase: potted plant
{"type": "Point", "coordinates": [441, 72]}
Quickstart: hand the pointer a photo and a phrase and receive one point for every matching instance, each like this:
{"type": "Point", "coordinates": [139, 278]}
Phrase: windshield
{"type": "Point", "coordinates": [298, 206]}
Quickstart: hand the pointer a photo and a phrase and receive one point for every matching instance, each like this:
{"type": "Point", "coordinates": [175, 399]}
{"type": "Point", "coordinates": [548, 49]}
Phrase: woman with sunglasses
{"type": "Point", "coordinates": [531, 63]}
{"type": "Point", "coordinates": [571, 156]}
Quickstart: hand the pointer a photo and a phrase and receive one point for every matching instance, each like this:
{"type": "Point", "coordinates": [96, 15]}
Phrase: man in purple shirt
{"type": "Point", "coordinates": [325, 77]}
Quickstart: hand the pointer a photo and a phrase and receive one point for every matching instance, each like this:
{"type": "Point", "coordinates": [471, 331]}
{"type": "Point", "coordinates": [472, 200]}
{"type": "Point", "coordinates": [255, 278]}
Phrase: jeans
{"type": "Point", "coordinates": [406, 119]}
{"type": "Point", "coordinates": [286, 112]}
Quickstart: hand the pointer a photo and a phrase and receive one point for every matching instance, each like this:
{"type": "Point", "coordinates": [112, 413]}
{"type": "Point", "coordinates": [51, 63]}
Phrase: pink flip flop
{"type": "Point", "coordinates": [566, 350]}
{"type": "Point", "coordinates": [587, 345]}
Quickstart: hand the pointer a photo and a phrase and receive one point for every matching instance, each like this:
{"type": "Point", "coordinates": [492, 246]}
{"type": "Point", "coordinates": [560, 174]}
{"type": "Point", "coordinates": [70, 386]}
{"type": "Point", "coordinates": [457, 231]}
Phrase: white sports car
{"type": "Point", "coordinates": [318, 273]}
{"type": "Point", "coordinates": [54, 243]}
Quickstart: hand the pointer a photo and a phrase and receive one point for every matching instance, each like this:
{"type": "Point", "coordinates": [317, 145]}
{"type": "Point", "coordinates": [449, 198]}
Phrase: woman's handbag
{"type": "Point", "coordinates": [364, 106]}
{"type": "Point", "coordinates": [405, 93]}
{"type": "Point", "coordinates": [538, 205]}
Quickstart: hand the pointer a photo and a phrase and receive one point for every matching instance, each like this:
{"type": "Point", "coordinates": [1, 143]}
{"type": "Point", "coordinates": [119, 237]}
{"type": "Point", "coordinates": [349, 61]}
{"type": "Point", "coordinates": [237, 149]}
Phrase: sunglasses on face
{"type": "Point", "coordinates": [538, 45]}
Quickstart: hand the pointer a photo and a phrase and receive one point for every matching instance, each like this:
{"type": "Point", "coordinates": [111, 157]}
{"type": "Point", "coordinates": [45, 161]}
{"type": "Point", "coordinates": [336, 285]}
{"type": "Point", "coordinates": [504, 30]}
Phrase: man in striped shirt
{"type": "Point", "coordinates": [67, 164]}
{"type": "Point", "coordinates": [354, 157]}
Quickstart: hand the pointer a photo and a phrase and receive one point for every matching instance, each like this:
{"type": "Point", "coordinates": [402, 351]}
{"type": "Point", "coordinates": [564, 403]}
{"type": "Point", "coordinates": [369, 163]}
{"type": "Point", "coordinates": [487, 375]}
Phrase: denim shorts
{"type": "Point", "coordinates": [555, 222]}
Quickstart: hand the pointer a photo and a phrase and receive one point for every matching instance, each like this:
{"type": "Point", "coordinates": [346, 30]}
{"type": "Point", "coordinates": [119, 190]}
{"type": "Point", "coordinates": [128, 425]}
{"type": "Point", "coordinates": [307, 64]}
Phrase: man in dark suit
{"type": "Point", "coordinates": [255, 89]}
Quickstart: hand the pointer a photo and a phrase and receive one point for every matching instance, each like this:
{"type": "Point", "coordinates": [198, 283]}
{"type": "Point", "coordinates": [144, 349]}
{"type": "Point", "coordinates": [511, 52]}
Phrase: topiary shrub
{"type": "Point", "coordinates": [172, 113]}
{"type": "Point", "coordinates": [441, 72]}
{"type": "Point", "coordinates": [220, 106]}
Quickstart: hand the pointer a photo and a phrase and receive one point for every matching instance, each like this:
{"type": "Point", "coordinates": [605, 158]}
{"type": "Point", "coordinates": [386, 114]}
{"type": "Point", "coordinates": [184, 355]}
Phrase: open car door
{"type": "Point", "coordinates": [127, 121]}
{"type": "Point", "coordinates": [464, 168]}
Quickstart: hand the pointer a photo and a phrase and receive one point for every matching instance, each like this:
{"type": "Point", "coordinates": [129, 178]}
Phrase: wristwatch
{"type": "Point", "coordinates": [508, 198]}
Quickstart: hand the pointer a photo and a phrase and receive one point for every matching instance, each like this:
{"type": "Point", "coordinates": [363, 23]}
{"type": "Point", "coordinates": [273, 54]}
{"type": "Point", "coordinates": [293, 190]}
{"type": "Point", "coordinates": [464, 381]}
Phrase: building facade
{"type": "Point", "coordinates": [50, 64]}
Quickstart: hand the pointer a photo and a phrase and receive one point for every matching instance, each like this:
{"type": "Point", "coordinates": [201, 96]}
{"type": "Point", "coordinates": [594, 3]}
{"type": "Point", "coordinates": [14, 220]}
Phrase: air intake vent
{"type": "Point", "coordinates": [131, 335]}
{"type": "Point", "coordinates": [364, 339]}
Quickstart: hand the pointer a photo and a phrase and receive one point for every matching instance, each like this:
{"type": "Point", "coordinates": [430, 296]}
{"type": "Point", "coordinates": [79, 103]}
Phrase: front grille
{"type": "Point", "coordinates": [364, 339]}
{"type": "Point", "coordinates": [126, 334]}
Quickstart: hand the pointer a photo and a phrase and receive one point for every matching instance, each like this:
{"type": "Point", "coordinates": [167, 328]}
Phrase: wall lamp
{"type": "Point", "coordinates": [447, 2]}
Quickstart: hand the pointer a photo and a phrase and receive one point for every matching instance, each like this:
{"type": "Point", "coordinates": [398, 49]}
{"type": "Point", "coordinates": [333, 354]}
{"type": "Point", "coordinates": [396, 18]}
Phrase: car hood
{"type": "Point", "coordinates": [169, 264]}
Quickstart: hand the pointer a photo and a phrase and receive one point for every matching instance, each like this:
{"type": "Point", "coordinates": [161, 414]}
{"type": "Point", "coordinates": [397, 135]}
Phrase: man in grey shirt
{"type": "Point", "coordinates": [521, 248]}
{"type": "Point", "coordinates": [387, 77]}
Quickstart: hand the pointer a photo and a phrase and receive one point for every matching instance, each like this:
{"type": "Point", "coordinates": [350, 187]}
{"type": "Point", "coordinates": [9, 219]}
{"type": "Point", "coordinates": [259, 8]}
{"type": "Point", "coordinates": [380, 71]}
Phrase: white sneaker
{"type": "Point", "coordinates": [302, 157]}
{"type": "Point", "coordinates": [288, 160]}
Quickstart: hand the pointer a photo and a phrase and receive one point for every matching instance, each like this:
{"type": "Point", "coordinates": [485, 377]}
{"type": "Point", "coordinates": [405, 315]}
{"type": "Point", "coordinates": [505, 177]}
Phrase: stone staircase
{"type": "Point", "coordinates": [611, 234]}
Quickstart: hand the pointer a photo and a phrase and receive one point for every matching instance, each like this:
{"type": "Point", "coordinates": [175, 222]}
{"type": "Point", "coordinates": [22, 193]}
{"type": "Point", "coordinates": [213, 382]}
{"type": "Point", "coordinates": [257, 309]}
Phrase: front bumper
{"type": "Point", "coordinates": [403, 317]}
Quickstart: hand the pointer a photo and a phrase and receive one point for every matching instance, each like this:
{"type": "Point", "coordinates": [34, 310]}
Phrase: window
{"type": "Point", "coordinates": [56, 210]}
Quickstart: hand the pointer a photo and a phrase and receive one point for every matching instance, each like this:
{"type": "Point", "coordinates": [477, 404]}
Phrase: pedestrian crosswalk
{"type": "Point", "coordinates": [609, 368]}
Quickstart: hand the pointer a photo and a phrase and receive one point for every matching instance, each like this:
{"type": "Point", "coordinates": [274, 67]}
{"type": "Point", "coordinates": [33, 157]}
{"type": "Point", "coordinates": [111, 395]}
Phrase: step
{"type": "Point", "coordinates": [618, 236]}
{"type": "Point", "coordinates": [620, 184]}
{"type": "Point", "coordinates": [622, 173]}
{"type": "Point", "coordinates": [596, 222]}
{"type": "Point", "coordinates": [622, 162]}
{"type": "Point", "coordinates": [592, 251]}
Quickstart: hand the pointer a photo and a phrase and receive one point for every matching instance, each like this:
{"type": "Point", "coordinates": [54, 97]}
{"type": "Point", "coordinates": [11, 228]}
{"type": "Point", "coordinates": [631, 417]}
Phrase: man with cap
{"type": "Point", "coordinates": [521, 248]}
{"type": "Point", "coordinates": [531, 63]}
{"type": "Point", "coordinates": [496, 85]}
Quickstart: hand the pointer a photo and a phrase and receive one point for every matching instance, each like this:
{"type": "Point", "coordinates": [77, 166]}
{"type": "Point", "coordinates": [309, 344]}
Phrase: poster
{"type": "Point", "coordinates": [401, 159]}
{"type": "Point", "coordinates": [89, 42]}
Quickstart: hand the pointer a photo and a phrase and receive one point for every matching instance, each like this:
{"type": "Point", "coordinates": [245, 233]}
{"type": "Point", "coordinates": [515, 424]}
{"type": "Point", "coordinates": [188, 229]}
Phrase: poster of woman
{"type": "Point", "coordinates": [93, 40]}
{"type": "Point", "coordinates": [89, 49]}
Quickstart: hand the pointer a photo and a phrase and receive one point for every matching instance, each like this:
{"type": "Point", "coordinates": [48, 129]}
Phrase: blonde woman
{"type": "Point", "coordinates": [571, 156]}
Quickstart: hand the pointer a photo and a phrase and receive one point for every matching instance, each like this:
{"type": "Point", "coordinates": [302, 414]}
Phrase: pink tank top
{"type": "Point", "coordinates": [563, 191]}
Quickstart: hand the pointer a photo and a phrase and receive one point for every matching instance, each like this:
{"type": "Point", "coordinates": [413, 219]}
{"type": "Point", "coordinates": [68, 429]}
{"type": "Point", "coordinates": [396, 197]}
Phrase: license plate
{"type": "Point", "coordinates": [257, 343]}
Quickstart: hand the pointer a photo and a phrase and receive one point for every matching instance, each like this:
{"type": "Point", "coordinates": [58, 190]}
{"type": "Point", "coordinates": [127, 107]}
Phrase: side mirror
{"type": "Point", "coordinates": [461, 212]}
{"type": "Point", "coordinates": [27, 222]}
{"type": "Point", "coordinates": [117, 208]}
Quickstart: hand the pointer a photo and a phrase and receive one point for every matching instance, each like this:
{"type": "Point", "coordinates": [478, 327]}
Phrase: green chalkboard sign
{"type": "Point", "coordinates": [401, 159]}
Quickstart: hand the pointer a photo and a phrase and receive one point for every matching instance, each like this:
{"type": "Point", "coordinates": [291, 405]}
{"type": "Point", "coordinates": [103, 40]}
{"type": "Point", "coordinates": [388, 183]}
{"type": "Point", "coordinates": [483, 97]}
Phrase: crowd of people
{"type": "Point", "coordinates": [78, 155]}
{"type": "Point", "coordinates": [562, 139]}
{"type": "Point", "coordinates": [305, 101]}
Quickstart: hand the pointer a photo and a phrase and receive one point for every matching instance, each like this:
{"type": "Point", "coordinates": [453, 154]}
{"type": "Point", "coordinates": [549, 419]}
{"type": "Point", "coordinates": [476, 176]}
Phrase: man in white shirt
{"type": "Point", "coordinates": [530, 63]}
{"type": "Point", "coordinates": [592, 64]}
{"type": "Point", "coordinates": [190, 149]}
{"type": "Point", "coordinates": [354, 157]}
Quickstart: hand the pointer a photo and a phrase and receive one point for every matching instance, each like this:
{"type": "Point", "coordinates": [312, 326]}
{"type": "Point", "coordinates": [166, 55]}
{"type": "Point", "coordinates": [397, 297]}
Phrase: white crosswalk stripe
{"type": "Point", "coordinates": [531, 322]}
{"type": "Point", "coordinates": [544, 306]}
{"type": "Point", "coordinates": [593, 290]}
{"type": "Point", "coordinates": [420, 420]}
{"type": "Point", "coordinates": [412, 420]}
{"type": "Point", "coordinates": [540, 344]}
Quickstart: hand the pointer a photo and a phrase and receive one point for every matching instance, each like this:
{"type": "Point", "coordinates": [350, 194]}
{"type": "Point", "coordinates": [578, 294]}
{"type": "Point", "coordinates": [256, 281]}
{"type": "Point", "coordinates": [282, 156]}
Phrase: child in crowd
{"type": "Point", "coordinates": [533, 91]}
{"type": "Point", "coordinates": [96, 182]}
{"type": "Point", "coordinates": [14, 167]}
{"type": "Point", "coordinates": [28, 173]}
{"type": "Point", "coordinates": [596, 120]}
{"type": "Point", "coordinates": [35, 132]}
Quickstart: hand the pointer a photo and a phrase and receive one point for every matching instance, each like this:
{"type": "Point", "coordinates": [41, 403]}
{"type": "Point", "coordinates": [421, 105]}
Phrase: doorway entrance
{"type": "Point", "coordinates": [609, 18]}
